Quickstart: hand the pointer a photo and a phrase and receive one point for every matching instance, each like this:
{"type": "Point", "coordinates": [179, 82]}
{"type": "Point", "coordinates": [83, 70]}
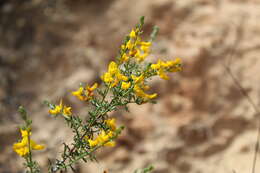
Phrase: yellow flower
{"type": "Point", "coordinates": [92, 143]}
{"type": "Point", "coordinates": [113, 76]}
{"type": "Point", "coordinates": [152, 96]}
{"type": "Point", "coordinates": [57, 109]}
{"type": "Point", "coordinates": [140, 93]}
{"type": "Point", "coordinates": [138, 79]}
{"type": "Point", "coordinates": [169, 66]}
{"type": "Point", "coordinates": [141, 57]}
{"type": "Point", "coordinates": [130, 45]}
{"type": "Point", "coordinates": [141, 51]}
{"type": "Point", "coordinates": [35, 146]}
{"type": "Point", "coordinates": [155, 66]}
{"type": "Point", "coordinates": [102, 139]}
{"type": "Point", "coordinates": [132, 34]}
{"type": "Point", "coordinates": [25, 133]}
{"type": "Point", "coordinates": [162, 74]}
{"type": "Point", "coordinates": [79, 94]}
{"type": "Point", "coordinates": [145, 46]}
{"type": "Point", "coordinates": [22, 148]}
{"type": "Point", "coordinates": [60, 109]}
{"type": "Point", "coordinates": [112, 68]}
{"type": "Point", "coordinates": [92, 88]}
{"type": "Point", "coordinates": [107, 78]}
{"type": "Point", "coordinates": [174, 66]}
{"type": "Point", "coordinates": [85, 94]}
{"type": "Point", "coordinates": [89, 91]}
{"type": "Point", "coordinates": [67, 111]}
{"type": "Point", "coordinates": [111, 123]}
{"type": "Point", "coordinates": [158, 65]}
{"type": "Point", "coordinates": [114, 83]}
{"type": "Point", "coordinates": [111, 133]}
{"type": "Point", "coordinates": [124, 58]}
{"type": "Point", "coordinates": [125, 85]}
{"type": "Point", "coordinates": [135, 48]}
{"type": "Point", "coordinates": [110, 144]}
{"type": "Point", "coordinates": [139, 87]}
{"type": "Point", "coordinates": [121, 77]}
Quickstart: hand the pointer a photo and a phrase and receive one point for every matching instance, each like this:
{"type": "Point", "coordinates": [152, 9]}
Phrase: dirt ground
{"type": "Point", "coordinates": [202, 123]}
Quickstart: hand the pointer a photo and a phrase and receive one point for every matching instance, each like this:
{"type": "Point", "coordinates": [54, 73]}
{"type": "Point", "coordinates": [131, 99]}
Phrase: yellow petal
{"type": "Point", "coordinates": [92, 143]}
{"type": "Point", "coordinates": [78, 92]}
{"type": "Point", "coordinates": [110, 144]}
{"type": "Point", "coordinates": [132, 34]}
{"type": "Point", "coordinates": [110, 134]}
{"type": "Point", "coordinates": [112, 67]}
{"type": "Point", "coordinates": [67, 110]}
{"type": "Point", "coordinates": [38, 147]}
{"type": "Point", "coordinates": [94, 87]}
{"type": "Point", "coordinates": [121, 77]}
{"type": "Point", "coordinates": [103, 137]}
{"type": "Point", "coordinates": [152, 96]}
{"type": "Point", "coordinates": [125, 85]}
{"type": "Point", "coordinates": [143, 43]}
{"type": "Point", "coordinates": [35, 146]}
{"type": "Point", "coordinates": [163, 75]}
{"type": "Point", "coordinates": [111, 123]}
{"type": "Point", "coordinates": [129, 45]}
{"type": "Point", "coordinates": [25, 133]}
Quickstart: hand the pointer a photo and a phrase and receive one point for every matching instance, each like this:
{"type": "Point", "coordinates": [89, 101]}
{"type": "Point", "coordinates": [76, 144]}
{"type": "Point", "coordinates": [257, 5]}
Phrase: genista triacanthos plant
{"type": "Point", "coordinates": [124, 82]}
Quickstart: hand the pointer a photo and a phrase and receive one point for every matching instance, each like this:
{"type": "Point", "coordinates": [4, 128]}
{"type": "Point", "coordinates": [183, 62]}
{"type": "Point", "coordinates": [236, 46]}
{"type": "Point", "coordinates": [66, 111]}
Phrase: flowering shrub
{"type": "Point", "coordinates": [126, 81]}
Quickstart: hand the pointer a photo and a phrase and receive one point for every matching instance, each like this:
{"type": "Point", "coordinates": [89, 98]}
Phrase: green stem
{"type": "Point", "coordinates": [93, 150]}
{"type": "Point", "coordinates": [80, 157]}
{"type": "Point", "coordinates": [84, 134]}
{"type": "Point", "coordinates": [30, 154]}
{"type": "Point", "coordinates": [98, 113]}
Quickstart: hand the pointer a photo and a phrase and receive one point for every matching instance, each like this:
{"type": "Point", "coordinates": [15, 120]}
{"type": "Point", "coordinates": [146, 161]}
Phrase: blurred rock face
{"type": "Point", "coordinates": [202, 122]}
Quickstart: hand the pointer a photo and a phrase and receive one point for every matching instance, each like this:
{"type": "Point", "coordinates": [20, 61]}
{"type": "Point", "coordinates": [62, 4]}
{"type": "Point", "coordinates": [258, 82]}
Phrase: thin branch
{"type": "Point", "coordinates": [239, 36]}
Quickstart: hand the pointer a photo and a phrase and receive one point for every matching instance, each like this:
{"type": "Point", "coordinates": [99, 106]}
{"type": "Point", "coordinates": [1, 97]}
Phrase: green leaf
{"type": "Point", "coordinates": [142, 20]}
{"type": "Point", "coordinates": [22, 112]}
{"type": "Point", "coordinates": [140, 24]}
{"type": "Point", "coordinates": [154, 33]}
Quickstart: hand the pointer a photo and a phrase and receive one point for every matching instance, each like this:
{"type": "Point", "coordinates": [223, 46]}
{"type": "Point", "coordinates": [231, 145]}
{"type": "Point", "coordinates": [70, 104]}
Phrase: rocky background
{"type": "Point", "coordinates": [202, 123]}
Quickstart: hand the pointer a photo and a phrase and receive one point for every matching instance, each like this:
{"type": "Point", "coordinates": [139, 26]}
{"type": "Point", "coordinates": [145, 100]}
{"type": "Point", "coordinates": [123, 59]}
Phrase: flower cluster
{"type": "Point", "coordinates": [104, 138]}
{"type": "Point", "coordinates": [24, 147]}
{"type": "Point", "coordinates": [140, 88]}
{"type": "Point", "coordinates": [85, 94]}
{"type": "Point", "coordinates": [169, 66]}
{"type": "Point", "coordinates": [129, 73]}
{"type": "Point", "coordinates": [113, 76]}
{"type": "Point", "coordinates": [134, 47]}
{"type": "Point", "coordinates": [60, 109]}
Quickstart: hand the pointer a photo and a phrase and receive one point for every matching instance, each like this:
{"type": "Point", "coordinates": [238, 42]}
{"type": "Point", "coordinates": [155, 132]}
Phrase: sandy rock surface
{"type": "Point", "coordinates": [202, 122]}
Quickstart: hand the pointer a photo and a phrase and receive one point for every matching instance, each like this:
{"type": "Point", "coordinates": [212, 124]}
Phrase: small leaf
{"type": "Point", "coordinates": [154, 33]}
{"type": "Point", "coordinates": [22, 112]}
{"type": "Point", "coordinates": [142, 20]}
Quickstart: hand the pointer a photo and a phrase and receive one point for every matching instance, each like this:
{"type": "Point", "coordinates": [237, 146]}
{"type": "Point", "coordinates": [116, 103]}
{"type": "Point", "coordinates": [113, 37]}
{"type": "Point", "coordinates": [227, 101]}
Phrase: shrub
{"type": "Point", "coordinates": [125, 82]}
